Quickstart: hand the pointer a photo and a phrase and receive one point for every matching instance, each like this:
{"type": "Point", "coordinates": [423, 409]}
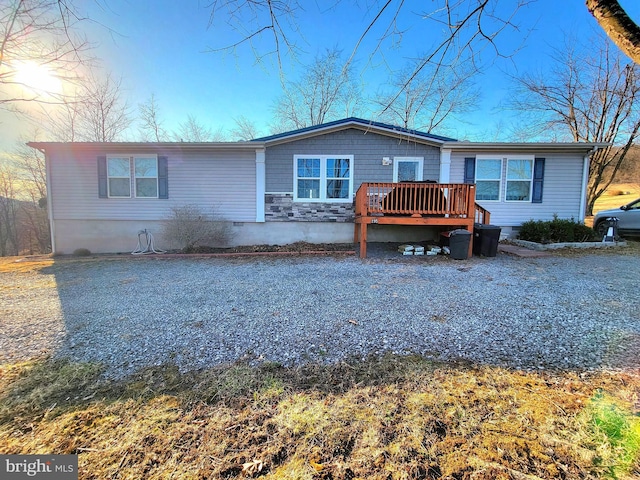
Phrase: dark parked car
{"type": "Point", "coordinates": [628, 219]}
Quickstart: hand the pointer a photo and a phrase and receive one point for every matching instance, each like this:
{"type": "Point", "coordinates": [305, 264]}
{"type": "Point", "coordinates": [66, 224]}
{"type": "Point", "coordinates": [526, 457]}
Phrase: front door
{"type": "Point", "coordinates": [407, 169]}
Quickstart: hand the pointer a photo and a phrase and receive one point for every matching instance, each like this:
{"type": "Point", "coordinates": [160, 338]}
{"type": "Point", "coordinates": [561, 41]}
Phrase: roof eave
{"type": "Point", "coordinates": [525, 146]}
{"type": "Point", "coordinates": [244, 145]}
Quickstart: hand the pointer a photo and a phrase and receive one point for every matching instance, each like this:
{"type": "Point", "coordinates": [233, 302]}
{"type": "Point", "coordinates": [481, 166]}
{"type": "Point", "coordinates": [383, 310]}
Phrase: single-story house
{"type": "Point", "coordinates": [302, 185]}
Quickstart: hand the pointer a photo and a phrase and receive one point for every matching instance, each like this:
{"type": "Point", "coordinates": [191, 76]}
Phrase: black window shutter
{"type": "Point", "coordinates": [163, 177]}
{"type": "Point", "coordinates": [470, 170]}
{"type": "Point", "coordinates": [102, 177]}
{"type": "Point", "coordinates": [538, 179]}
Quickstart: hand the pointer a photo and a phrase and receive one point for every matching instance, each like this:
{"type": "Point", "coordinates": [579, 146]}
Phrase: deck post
{"type": "Point", "coordinates": [363, 240]}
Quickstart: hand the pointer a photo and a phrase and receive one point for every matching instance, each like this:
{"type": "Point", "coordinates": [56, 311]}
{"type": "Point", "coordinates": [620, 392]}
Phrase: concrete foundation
{"type": "Point", "coordinates": [121, 236]}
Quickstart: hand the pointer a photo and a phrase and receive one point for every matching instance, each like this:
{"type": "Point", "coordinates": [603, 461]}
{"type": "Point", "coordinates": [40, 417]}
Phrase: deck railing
{"type": "Point", "coordinates": [423, 199]}
{"type": "Point", "coordinates": [482, 215]}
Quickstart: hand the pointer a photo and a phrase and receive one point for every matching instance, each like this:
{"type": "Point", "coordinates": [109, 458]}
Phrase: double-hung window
{"type": "Point", "coordinates": [519, 179]}
{"type": "Point", "coordinates": [488, 178]}
{"type": "Point", "coordinates": [511, 178]}
{"type": "Point", "coordinates": [323, 178]}
{"type": "Point", "coordinates": [138, 173]}
{"type": "Point", "coordinates": [146, 176]}
{"type": "Point", "coordinates": [119, 177]}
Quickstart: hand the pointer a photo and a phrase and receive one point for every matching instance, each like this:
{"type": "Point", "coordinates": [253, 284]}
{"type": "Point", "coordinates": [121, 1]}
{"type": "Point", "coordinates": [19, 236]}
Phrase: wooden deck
{"type": "Point", "coordinates": [437, 204]}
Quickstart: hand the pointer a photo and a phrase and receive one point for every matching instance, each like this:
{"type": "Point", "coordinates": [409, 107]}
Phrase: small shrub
{"type": "Point", "coordinates": [189, 228]}
{"type": "Point", "coordinates": [562, 230]}
{"type": "Point", "coordinates": [556, 231]}
{"type": "Point", "coordinates": [585, 234]}
{"type": "Point", "coordinates": [82, 252]}
{"type": "Point", "coordinates": [535, 231]}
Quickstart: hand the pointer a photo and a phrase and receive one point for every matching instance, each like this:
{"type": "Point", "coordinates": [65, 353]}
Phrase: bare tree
{"type": "Point", "coordinates": [326, 91]}
{"type": "Point", "coordinates": [592, 95]}
{"type": "Point", "coordinates": [151, 126]}
{"type": "Point", "coordinates": [427, 101]}
{"type": "Point", "coordinates": [95, 111]}
{"type": "Point", "coordinates": [8, 213]}
{"type": "Point", "coordinates": [62, 122]}
{"type": "Point", "coordinates": [244, 129]}
{"type": "Point", "coordinates": [193, 130]}
{"type": "Point", "coordinates": [30, 170]}
{"type": "Point", "coordinates": [105, 115]}
{"type": "Point", "coordinates": [40, 35]}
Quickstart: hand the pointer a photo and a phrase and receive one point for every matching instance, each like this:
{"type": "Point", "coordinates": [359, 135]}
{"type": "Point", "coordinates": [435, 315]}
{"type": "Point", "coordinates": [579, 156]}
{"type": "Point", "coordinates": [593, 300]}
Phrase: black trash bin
{"type": "Point", "coordinates": [458, 243]}
{"type": "Point", "coordinates": [485, 239]}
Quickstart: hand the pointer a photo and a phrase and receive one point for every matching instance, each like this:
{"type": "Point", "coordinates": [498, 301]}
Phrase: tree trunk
{"type": "Point", "coordinates": [618, 26]}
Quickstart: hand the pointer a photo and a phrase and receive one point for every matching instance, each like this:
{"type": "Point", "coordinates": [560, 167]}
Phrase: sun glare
{"type": "Point", "coordinates": [38, 78]}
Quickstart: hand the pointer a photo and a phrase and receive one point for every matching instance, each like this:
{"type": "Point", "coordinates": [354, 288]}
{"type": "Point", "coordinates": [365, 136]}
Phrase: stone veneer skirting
{"type": "Point", "coordinates": [282, 208]}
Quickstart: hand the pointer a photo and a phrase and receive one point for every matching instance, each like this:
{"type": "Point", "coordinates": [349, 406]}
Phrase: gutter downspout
{"type": "Point", "coordinates": [52, 227]}
{"type": "Point", "coordinates": [585, 183]}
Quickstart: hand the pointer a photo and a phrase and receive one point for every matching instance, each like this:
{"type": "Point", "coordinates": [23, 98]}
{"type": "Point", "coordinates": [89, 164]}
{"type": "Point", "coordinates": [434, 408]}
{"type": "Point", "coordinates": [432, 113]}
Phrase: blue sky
{"type": "Point", "coordinates": [161, 46]}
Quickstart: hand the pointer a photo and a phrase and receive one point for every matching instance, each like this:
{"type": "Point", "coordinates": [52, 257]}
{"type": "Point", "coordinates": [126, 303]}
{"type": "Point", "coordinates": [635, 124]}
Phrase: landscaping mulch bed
{"type": "Point", "coordinates": [298, 247]}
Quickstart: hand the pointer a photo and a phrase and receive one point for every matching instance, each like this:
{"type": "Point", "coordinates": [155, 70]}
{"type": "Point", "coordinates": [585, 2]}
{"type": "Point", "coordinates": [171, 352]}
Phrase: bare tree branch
{"type": "Point", "coordinates": [38, 34]}
{"type": "Point", "coordinates": [277, 17]}
{"type": "Point", "coordinates": [618, 26]}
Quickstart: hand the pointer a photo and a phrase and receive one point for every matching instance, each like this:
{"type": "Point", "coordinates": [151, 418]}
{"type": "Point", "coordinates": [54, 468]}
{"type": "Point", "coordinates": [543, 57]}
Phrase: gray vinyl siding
{"type": "Point", "coordinates": [561, 190]}
{"type": "Point", "coordinates": [366, 147]}
{"type": "Point", "coordinates": [220, 181]}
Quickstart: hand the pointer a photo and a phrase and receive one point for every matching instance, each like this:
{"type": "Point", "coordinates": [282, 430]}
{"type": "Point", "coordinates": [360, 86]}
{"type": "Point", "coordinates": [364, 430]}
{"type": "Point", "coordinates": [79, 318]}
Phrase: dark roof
{"type": "Point", "coordinates": [365, 123]}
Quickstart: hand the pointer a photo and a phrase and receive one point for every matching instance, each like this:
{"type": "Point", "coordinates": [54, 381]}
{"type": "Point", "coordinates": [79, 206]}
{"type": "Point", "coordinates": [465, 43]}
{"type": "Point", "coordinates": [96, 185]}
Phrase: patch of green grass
{"type": "Point", "coordinates": [615, 434]}
{"type": "Point", "coordinates": [31, 388]}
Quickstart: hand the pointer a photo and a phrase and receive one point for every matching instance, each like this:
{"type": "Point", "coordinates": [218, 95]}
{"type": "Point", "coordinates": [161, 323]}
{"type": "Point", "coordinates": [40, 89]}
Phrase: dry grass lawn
{"type": "Point", "coordinates": [385, 418]}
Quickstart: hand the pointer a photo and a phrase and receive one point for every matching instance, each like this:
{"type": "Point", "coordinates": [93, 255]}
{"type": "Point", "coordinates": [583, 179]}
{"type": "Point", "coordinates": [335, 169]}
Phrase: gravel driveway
{"type": "Point", "coordinates": [556, 312]}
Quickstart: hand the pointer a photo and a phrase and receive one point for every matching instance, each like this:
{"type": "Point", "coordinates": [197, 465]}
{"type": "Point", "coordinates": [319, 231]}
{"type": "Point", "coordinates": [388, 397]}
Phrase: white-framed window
{"type": "Point", "coordinates": [488, 178]}
{"type": "Point", "coordinates": [408, 169]}
{"type": "Point", "coordinates": [145, 171]}
{"type": "Point", "coordinates": [118, 177]}
{"type": "Point", "coordinates": [519, 179]}
{"type": "Point", "coordinates": [323, 178]}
